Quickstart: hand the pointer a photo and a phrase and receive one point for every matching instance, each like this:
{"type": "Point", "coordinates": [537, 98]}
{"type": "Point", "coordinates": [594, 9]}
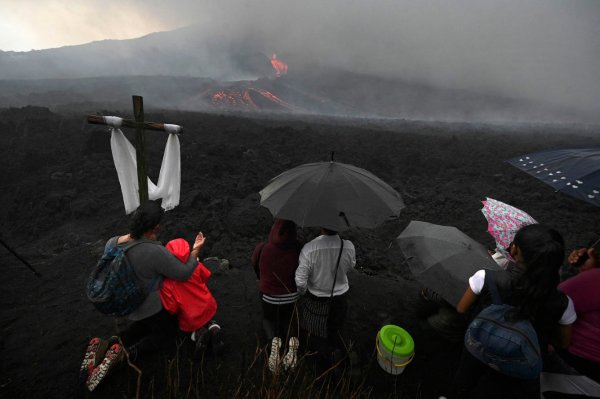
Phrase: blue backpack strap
{"type": "Point", "coordinates": [490, 282]}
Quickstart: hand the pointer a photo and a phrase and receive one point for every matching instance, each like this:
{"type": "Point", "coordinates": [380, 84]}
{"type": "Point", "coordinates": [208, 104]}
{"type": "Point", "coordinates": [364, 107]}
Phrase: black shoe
{"type": "Point", "coordinates": [216, 340]}
{"type": "Point", "coordinates": [202, 340]}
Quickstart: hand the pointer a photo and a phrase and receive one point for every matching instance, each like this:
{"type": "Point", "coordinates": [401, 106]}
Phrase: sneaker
{"type": "Point", "coordinates": [89, 358]}
{"type": "Point", "coordinates": [291, 358]}
{"type": "Point", "coordinates": [274, 359]}
{"type": "Point", "coordinates": [113, 356]}
{"type": "Point", "coordinates": [217, 343]}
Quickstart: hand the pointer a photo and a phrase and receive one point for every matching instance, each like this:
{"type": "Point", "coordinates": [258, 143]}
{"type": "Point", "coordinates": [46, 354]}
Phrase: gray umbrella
{"type": "Point", "coordinates": [333, 195]}
{"type": "Point", "coordinates": [443, 258]}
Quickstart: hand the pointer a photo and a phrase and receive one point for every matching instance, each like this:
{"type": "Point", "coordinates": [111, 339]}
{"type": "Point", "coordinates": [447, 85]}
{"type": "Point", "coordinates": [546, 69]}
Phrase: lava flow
{"type": "Point", "coordinates": [250, 98]}
{"type": "Point", "coordinates": [280, 66]}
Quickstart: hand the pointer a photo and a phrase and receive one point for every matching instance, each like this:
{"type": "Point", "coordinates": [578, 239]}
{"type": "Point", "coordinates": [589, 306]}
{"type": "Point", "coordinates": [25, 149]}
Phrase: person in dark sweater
{"type": "Point", "coordinates": [275, 263]}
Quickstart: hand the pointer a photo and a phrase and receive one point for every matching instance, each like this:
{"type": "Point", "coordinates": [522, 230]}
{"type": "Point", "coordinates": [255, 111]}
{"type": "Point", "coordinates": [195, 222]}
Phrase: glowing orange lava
{"type": "Point", "coordinates": [280, 66]}
{"type": "Point", "coordinates": [242, 98]}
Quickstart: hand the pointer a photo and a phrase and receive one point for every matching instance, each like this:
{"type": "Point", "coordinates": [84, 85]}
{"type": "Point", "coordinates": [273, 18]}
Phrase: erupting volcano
{"type": "Point", "coordinates": [280, 66]}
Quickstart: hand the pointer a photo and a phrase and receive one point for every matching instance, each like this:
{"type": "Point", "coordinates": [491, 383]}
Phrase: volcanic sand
{"type": "Point", "coordinates": [60, 201]}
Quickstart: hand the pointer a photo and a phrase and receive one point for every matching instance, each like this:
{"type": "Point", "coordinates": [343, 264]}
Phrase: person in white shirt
{"type": "Point", "coordinates": [322, 279]}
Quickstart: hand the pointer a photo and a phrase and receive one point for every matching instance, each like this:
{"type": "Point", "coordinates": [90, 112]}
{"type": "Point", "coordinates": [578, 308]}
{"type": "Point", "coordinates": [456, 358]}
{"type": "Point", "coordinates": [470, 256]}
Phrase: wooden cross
{"type": "Point", "coordinates": [140, 149]}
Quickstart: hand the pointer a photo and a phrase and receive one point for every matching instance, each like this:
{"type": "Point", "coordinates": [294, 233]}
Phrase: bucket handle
{"type": "Point", "coordinates": [410, 359]}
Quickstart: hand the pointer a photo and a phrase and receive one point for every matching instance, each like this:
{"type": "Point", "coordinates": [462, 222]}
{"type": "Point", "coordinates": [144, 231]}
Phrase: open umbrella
{"type": "Point", "coordinates": [443, 258]}
{"type": "Point", "coordinates": [333, 195]}
{"type": "Point", "coordinates": [503, 223]}
{"type": "Point", "coordinates": [574, 171]}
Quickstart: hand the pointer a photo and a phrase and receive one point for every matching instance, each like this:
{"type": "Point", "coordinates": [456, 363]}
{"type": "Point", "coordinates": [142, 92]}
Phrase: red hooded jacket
{"type": "Point", "coordinates": [276, 261]}
{"type": "Point", "coordinates": [190, 300]}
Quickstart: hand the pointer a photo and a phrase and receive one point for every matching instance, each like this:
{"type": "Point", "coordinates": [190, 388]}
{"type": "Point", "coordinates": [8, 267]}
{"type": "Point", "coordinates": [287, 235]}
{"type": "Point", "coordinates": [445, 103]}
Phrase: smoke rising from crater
{"type": "Point", "coordinates": [545, 50]}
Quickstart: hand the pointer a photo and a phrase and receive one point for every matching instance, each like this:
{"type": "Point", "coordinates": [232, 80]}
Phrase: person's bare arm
{"type": "Point", "coordinates": [467, 300]}
{"type": "Point", "coordinates": [564, 335]}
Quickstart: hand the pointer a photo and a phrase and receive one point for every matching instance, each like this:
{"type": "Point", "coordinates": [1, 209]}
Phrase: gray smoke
{"type": "Point", "coordinates": [541, 50]}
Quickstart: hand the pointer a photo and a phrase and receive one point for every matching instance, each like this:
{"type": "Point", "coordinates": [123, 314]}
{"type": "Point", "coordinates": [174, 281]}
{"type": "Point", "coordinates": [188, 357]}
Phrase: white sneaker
{"type": "Point", "coordinates": [274, 359]}
{"type": "Point", "coordinates": [291, 358]}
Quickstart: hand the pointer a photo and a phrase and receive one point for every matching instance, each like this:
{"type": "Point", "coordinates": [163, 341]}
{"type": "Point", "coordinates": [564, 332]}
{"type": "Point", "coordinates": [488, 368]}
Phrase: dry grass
{"type": "Point", "coordinates": [201, 379]}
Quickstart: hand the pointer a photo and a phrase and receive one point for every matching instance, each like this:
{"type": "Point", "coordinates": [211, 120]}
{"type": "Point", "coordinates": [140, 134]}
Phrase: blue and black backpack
{"type": "Point", "coordinates": [508, 346]}
{"type": "Point", "coordinates": [113, 286]}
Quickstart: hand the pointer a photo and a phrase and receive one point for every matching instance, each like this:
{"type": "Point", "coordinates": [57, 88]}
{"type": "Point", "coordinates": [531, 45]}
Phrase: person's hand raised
{"type": "Point", "coordinates": [199, 242]}
{"type": "Point", "coordinates": [575, 255]}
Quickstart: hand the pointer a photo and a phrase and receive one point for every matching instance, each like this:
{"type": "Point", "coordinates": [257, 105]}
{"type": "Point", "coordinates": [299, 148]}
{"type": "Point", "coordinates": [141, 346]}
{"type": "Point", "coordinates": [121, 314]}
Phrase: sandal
{"type": "Point", "coordinates": [274, 359]}
{"type": "Point", "coordinates": [113, 356]}
{"type": "Point", "coordinates": [291, 357]}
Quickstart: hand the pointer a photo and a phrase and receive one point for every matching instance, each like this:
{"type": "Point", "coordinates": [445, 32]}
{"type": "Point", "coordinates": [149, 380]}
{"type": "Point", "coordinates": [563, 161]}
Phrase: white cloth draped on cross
{"type": "Point", "coordinates": [169, 178]}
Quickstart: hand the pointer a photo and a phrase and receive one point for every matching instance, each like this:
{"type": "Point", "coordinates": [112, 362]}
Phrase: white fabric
{"type": "Point", "coordinates": [113, 121]}
{"type": "Point", "coordinates": [283, 299]}
{"type": "Point", "coordinates": [500, 259]}
{"type": "Point", "coordinates": [477, 281]}
{"type": "Point", "coordinates": [570, 384]}
{"type": "Point", "coordinates": [169, 179]}
{"type": "Point", "coordinates": [569, 315]}
{"type": "Point", "coordinates": [172, 129]}
{"type": "Point", "coordinates": [317, 262]}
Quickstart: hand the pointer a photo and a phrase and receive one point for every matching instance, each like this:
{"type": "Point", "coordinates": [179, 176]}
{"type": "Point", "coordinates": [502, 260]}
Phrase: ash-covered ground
{"type": "Point", "coordinates": [61, 200]}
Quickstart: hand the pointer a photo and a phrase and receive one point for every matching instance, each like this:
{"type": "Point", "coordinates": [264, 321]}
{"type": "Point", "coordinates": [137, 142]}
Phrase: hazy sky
{"type": "Point", "coordinates": [544, 49]}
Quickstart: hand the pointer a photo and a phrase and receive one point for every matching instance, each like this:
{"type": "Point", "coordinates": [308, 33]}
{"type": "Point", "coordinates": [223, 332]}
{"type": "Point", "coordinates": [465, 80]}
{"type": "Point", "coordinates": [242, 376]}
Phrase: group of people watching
{"type": "Point", "coordinates": [565, 315]}
{"type": "Point", "coordinates": [316, 272]}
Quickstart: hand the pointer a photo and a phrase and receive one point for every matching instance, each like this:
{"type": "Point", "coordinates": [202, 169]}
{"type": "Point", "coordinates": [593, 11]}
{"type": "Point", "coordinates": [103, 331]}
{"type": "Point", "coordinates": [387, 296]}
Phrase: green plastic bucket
{"type": "Point", "coordinates": [395, 348]}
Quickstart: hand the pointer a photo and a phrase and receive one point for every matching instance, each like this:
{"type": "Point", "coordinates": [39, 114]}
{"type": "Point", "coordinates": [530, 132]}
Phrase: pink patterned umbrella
{"type": "Point", "coordinates": [503, 223]}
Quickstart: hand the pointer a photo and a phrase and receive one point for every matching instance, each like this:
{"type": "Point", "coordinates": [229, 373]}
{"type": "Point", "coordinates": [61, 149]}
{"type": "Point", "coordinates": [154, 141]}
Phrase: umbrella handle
{"type": "Point", "coordinates": [343, 215]}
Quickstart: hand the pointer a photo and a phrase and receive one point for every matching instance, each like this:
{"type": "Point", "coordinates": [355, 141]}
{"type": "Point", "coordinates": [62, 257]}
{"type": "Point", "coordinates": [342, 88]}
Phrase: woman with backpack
{"type": "Point", "coordinates": [147, 263]}
{"type": "Point", "coordinates": [530, 288]}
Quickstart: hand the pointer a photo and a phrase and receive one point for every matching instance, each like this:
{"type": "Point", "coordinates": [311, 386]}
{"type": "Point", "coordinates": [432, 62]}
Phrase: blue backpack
{"type": "Point", "coordinates": [510, 347]}
{"type": "Point", "coordinates": [113, 287]}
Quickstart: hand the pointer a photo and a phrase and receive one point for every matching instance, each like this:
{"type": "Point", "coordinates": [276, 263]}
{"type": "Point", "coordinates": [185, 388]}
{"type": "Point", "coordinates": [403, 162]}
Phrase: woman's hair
{"type": "Point", "coordinates": [145, 218]}
{"type": "Point", "coordinates": [543, 251]}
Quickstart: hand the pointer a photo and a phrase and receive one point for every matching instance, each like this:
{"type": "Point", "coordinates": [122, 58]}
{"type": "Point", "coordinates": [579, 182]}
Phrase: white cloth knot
{"type": "Point", "coordinates": [172, 129]}
{"type": "Point", "coordinates": [113, 121]}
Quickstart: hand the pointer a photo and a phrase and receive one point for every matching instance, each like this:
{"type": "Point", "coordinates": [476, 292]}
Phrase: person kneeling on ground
{"type": "Point", "coordinates": [191, 301]}
{"type": "Point", "coordinates": [151, 325]}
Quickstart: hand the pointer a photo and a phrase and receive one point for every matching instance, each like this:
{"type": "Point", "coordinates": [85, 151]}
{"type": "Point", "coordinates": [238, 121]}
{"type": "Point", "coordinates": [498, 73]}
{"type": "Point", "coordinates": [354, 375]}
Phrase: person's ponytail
{"type": "Point", "coordinates": [542, 250]}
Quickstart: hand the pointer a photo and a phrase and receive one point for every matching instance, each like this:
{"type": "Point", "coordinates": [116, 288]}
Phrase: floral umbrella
{"type": "Point", "coordinates": [503, 223]}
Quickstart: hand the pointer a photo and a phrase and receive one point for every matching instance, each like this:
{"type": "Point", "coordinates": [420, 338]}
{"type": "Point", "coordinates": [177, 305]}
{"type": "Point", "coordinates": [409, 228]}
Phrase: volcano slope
{"type": "Point", "coordinates": [60, 201]}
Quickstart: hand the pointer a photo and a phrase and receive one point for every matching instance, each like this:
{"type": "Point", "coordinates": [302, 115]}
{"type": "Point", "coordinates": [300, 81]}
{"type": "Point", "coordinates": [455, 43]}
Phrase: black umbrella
{"type": "Point", "coordinates": [574, 171]}
{"type": "Point", "coordinates": [443, 258]}
{"type": "Point", "coordinates": [333, 195]}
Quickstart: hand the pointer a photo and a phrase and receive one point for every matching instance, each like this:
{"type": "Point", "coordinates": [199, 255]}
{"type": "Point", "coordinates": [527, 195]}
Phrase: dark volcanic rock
{"type": "Point", "coordinates": [60, 201]}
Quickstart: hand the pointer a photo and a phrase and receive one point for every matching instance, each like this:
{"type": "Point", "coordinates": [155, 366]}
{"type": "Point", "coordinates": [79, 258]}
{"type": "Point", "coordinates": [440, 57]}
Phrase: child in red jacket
{"type": "Point", "coordinates": [192, 302]}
